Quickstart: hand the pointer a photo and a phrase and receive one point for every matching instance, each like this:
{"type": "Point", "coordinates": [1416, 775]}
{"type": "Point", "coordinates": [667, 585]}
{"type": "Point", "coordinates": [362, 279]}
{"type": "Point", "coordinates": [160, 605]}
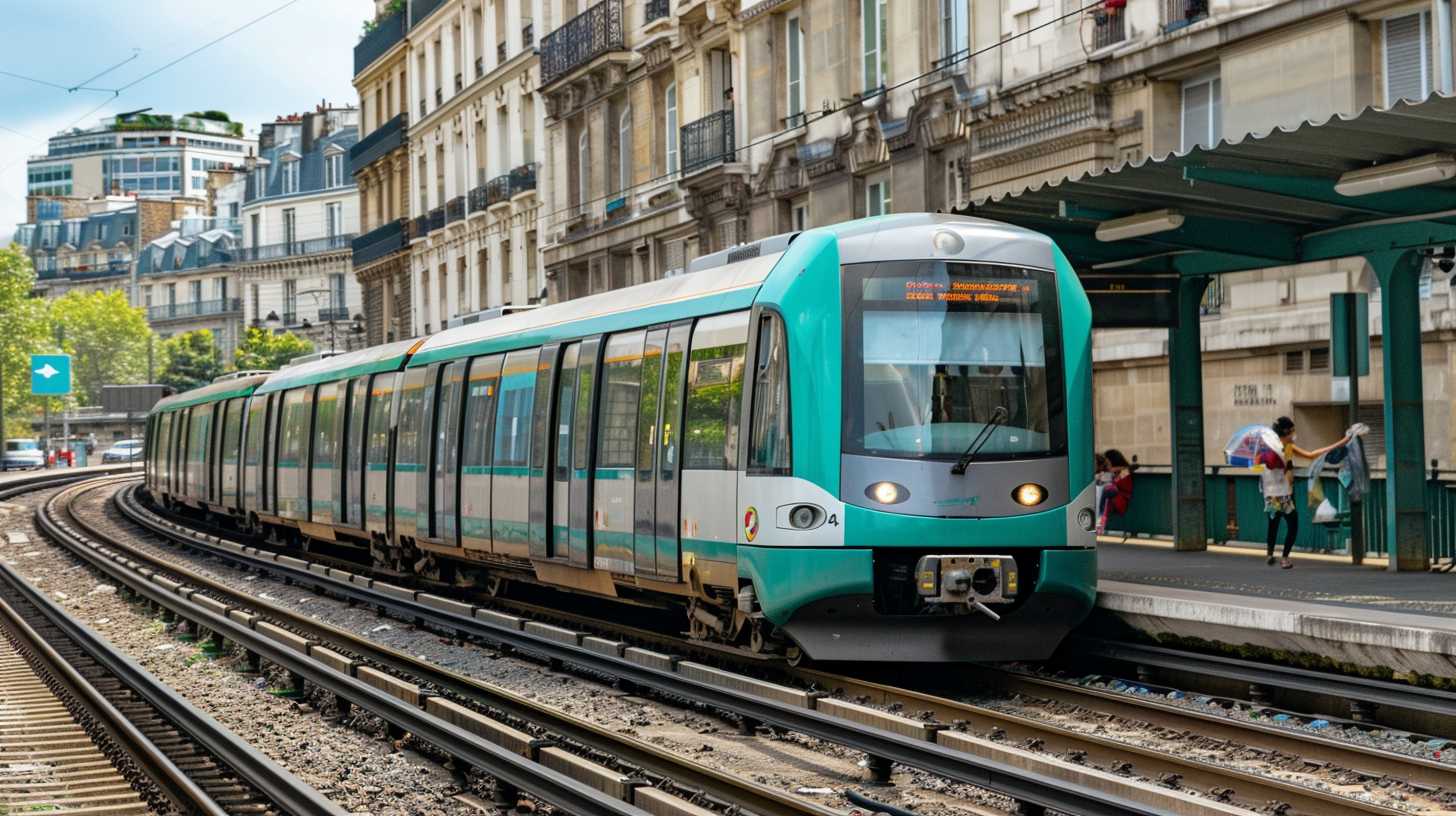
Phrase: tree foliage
{"type": "Point", "coordinates": [189, 359]}
{"type": "Point", "coordinates": [23, 332]}
{"type": "Point", "coordinates": [106, 337]}
{"type": "Point", "coordinates": [262, 350]}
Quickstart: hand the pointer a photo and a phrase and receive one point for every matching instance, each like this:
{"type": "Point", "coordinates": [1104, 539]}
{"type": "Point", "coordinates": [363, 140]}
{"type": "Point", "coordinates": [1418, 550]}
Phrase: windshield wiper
{"type": "Point", "coordinates": [998, 416]}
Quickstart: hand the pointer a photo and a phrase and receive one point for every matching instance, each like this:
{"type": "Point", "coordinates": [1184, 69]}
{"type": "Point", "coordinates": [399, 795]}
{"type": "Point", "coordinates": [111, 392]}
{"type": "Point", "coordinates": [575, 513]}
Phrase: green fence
{"type": "Point", "coordinates": [1234, 511]}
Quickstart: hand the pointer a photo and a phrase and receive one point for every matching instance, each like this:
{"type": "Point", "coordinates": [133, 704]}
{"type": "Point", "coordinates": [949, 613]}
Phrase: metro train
{"type": "Point", "coordinates": [864, 442]}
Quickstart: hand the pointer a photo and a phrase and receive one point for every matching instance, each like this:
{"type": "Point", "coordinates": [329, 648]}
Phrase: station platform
{"type": "Point", "coordinates": [1325, 606]}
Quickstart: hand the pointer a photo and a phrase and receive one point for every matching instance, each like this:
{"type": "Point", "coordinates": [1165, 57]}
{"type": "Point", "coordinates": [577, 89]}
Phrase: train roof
{"type": "Point", "coordinates": [388, 357]}
{"type": "Point", "coordinates": [212, 392]}
{"type": "Point", "coordinates": [718, 289]}
{"type": "Point", "coordinates": [904, 235]}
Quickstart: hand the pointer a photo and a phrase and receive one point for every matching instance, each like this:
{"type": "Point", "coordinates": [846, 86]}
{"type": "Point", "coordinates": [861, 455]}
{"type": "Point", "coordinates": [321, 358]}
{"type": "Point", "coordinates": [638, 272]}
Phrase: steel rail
{"type": "Point", "coordinates": [550, 786]}
{"type": "Point", "coordinates": [1022, 784]}
{"type": "Point", "coordinates": [151, 760]}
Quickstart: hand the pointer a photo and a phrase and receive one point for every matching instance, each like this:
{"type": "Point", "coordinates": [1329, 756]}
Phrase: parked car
{"type": "Point", "coordinates": [127, 450]}
{"type": "Point", "coordinates": [22, 454]}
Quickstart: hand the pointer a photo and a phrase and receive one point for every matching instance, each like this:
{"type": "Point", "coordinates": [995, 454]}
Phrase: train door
{"type": "Point", "coordinates": [481, 391]}
{"type": "Point", "coordinates": [709, 513]}
{"type": "Point", "coordinates": [614, 484]}
{"type": "Point", "coordinates": [659, 417]}
{"type": "Point", "coordinates": [588, 372]}
{"type": "Point", "coordinates": [349, 489]}
{"type": "Point", "coordinates": [230, 494]}
{"type": "Point", "coordinates": [447, 453]}
{"type": "Point", "coordinates": [324, 464]}
{"type": "Point", "coordinates": [510, 484]}
{"type": "Point", "coordinates": [179, 456]}
{"type": "Point", "coordinates": [543, 419]}
{"type": "Point", "coordinates": [253, 453]}
{"type": "Point", "coordinates": [409, 458]}
{"type": "Point", "coordinates": [559, 537]}
{"type": "Point", "coordinates": [377, 492]}
{"type": "Point", "coordinates": [293, 453]}
{"type": "Point", "coordinates": [272, 423]}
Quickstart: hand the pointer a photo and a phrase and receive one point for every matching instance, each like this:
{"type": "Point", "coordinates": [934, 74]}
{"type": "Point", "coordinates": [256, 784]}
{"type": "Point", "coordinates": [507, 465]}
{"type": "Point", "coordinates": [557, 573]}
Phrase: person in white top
{"type": "Point", "coordinates": [1277, 485]}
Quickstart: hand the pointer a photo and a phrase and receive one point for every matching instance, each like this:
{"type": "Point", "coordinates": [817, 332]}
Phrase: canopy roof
{"type": "Point", "coordinates": [1263, 200]}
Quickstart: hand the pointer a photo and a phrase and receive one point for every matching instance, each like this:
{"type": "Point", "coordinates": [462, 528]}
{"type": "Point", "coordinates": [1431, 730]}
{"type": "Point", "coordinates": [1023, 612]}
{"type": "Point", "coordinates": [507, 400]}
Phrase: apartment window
{"type": "Point", "coordinates": [953, 31]}
{"type": "Point", "coordinates": [669, 104]}
{"type": "Point", "coordinates": [334, 218]}
{"type": "Point", "coordinates": [171, 294]}
{"type": "Point", "coordinates": [290, 300]}
{"type": "Point", "coordinates": [877, 195]}
{"type": "Point", "coordinates": [255, 301]}
{"type": "Point", "coordinates": [1405, 41]}
{"type": "Point", "coordinates": [794, 70]}
{"type": "Point", "coordinates": [583, 162]}
{"type": "Point", "coordinates": [799, 214]}
{"type": "Point", "coordinates": [1293, 361]}
{"type": "Point", "coordinates": [873, 19]}
{"type": "Point", "coordinates": [503, 127]}
{"type": "Point", "coordinates": [147, 296]}
{"type": "Point", "coordinates": [1202, 116]}
{"type": "Point", "coordinates": [624, 149]}
{"type": "Point", "coordinates": [334, 170]}
{"type": "Point", "coordinates": [219, 288]}
{"type": "Point", "coordinates": [336, 289]}
{"type": "Point", "coordinates": [256, 231]}
{"type": "Point", "coordinates": [290, 225]}
{"type": "Point", "coordinates": [1319, 358]}
{"type": "Point", "coordinates": [195, 288]}
{"type": "Point", "coordinates": [290, 176]}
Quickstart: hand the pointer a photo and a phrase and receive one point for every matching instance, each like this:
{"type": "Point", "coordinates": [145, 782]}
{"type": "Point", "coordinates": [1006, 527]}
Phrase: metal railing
{"type": "Point", "coordinates": [498, 190]}
{"type": "Point", "coordinates": [950, 65]}
{"type": "Point", "coordinates": [1109, 26]}
{"type": "Point", "coordinates": [1180, 13]}
{"type": "Point", "coordinates": [333, 314]}
{"type": "Point", "coordinates": [707, 141]}
{"type": "Point", "coordinates": [477, 202]}
{"type": "Point", "coordinates": [288, 249]}
{"type": "Point", "coordinates": [655, 10]}
{"type": "Point", "coordinates": [523, 178]}
{"type": "Point", "coordinates": [197, 308]}
{"type": "Point", "coordinates": [455, 209]}
{"type": "Point", "coordinates": [419, 226]}
{"type": "Point", "coordinates": [582, 39]}
{"type": "Point", "coordinates": [436, 219]}
{"type": "Point", "coordinates": [387, 238]}
{"type": "Point", "coordinates": [378, 143]}
{"type": "Point", "coordinates": [386, 33]}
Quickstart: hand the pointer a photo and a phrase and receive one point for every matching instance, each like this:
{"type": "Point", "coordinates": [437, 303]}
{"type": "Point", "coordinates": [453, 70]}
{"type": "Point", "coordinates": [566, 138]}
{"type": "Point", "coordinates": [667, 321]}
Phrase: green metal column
{"type": "Point", "coordinates": [1185, 392]}
{"type": "Point", "coordinates": [1405, 429]}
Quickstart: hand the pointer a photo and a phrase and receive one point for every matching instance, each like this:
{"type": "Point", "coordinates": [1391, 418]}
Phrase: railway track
{"type": "Point", "coordinates": [1294, 793]}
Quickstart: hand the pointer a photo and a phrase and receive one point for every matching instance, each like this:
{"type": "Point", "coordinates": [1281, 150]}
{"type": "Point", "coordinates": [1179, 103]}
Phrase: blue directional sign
{"type": "Point", "coordinates": [50, 374]}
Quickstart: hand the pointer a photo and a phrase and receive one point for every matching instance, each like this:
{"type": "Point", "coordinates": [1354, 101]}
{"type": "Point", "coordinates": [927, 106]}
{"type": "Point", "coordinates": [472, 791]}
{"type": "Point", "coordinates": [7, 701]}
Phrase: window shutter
{"type": "Point", "coordinates": [1406, 75]}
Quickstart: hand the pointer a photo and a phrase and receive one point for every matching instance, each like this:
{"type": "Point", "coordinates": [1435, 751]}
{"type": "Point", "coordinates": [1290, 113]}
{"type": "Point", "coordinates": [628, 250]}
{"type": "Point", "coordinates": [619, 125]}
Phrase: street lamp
{"type": "Point", "coordinates": [332, 316]}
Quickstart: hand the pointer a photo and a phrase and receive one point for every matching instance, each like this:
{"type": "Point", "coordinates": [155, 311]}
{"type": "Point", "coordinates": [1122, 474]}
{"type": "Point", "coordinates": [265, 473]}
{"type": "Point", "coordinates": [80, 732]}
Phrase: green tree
{"type": "Point", "coordinates": [106, 337]}
{"type": "Point", "coordinates": [189, 359]}
{"type": "Point", "coordinates": [23, 331]}
{"type": "Point", "coordinates": [262, 350]}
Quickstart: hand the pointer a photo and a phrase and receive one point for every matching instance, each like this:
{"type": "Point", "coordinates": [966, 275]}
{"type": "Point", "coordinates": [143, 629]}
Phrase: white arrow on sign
{"type": "Point", "coordinates": [48, 371]}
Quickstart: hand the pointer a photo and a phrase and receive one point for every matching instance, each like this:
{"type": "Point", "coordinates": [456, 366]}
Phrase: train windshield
{"type": "Point", "coordinates": [935, 352]}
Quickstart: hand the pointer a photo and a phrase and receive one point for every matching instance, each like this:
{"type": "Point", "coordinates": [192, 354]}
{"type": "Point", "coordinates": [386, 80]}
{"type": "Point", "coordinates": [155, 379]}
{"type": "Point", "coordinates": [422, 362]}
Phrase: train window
{"type": "Point", "coordinates": [381, 396]}
{"type": "Point", "coordinates": [198, 434]}
{"type": "Point", "coordinates": [447, 448]}
{"type": "Point", "coordinates": [715, 390]}
{"type": "Point", "coordinates": [621, 391]}
{"type": "Point", "coordinates": [581, 426]}
{"type": "Point", "coordinates": [231, 452]}
{"type": "Point", "coordinates": [565, 406]}
{"type": "Point", "coordinates": [353, 455]}
{"type": "Point", "coordinates": [325, 435]}
{"type": "Point", "coordinates": [768, 438]}
{"type": "Point", "coordinates": [253, 450]}
{"type": "Point", "coordinates": [540, 447]}
{"type": "Point", "coordinates": [425, 487]}
{"type": "Point", "coordinates": [407, 447]}
{"type": "Point", "coordinates": [479, 405]}
{"type": "Point", "coordinates": [293, 451]}
{"type": "Point", "coordinates": [647, 406]}
{"type": "Point", "coordinates": [513, 418]}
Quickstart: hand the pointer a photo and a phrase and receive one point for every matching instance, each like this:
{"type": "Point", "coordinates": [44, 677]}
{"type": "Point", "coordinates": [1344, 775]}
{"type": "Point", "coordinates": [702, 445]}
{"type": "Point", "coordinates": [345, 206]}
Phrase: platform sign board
{"type": "Point", "coordinates": [1349, 320]}
{"type": "Point", "coordinates": [50, 375]}
{"type": "Point", "coordinates": [1132, 301]}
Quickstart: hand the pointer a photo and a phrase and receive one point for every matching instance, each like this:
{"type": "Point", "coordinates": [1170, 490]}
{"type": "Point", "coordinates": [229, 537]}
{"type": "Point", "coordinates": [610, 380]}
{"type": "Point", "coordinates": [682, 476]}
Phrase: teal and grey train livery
{"type": "Point", "coordinates": [862, 442]}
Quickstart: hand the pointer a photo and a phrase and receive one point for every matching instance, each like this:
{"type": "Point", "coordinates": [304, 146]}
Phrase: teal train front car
{"type": "Point", "coordinates": [930, 489]}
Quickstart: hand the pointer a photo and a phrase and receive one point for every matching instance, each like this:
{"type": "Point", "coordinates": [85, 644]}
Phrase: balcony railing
{"type": "Point", "coordinates": [1180, 13]}
{"type": "Point", "coordinates": [656, 10]}
{"type": "Point", "coordinates": [528, 34]}
{"type": "Point", "coordinates": [582, 39]}
{"type": "Point", "coordinates": [289, 249]}
{"type": "Point", "coordinates": [1109, 27]}
{"type": "Point", "coordinates": [707, 141]}
{"type": "Point", "coordinates": [477, 200]}
{"type": "Point", "coordinates": [200, 308]}
{"type": "Point", "coordinates": [950, 65]}
{"type": "Point", "coordinates": [333, 314]}
{"type": "Point", "coordinates": [436, 219]}
{"type": "Point", "coordinates": [498, 190]}
{"type": "Point", "coordinates": [523, 178]}
{"type": "Point", "coordinates": [389, 31]}
{"type": "Point", "coordinates": [387, 238]}
{"type": "Point", "coordinates": [379, 143]}
{"type": "Point", "coordinates": [419, 226]}
{"type": "Point", "coordinates": [455, 209]}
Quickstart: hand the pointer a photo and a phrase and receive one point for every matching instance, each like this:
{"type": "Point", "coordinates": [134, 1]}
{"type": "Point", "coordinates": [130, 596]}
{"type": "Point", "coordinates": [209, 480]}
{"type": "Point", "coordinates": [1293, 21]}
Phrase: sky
{"type": "Point", "coordinates": [287, 63]}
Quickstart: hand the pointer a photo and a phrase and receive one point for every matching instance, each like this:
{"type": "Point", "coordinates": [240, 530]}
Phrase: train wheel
{"type": "Point", "coordinates": [760, 640]}
{"type": "Point", "coordinates": [794, 655]}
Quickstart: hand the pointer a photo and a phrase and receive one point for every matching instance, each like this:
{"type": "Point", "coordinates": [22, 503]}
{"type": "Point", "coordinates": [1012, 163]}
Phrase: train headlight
{"type": "Point", "coordinates": [802, 517]}
{"type": "Point", "coordinates": [887, 492]}
{"type": "Point", "coordinates": [1029, 494]}
{"type": "Point", "coordinates": [1086, 519]}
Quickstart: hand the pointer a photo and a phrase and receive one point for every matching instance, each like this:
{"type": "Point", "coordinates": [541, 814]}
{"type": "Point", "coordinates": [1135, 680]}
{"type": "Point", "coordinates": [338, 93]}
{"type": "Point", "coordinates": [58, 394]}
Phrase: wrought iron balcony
{"type": "Point", "coordinates": [436, 219]}
{"type": "Point", "coordinates": [289, 249]}
{"type": "Point", "coordinates": [528, 34]}
{"type": "Point", "coordinates": [498, 190]}
{"type": "Point", "coordinates": [388, 31]}
{"type": "Point", "coordinates": [379, 143]}
{"type": "Point", "coordinates": [656, 10]}
{"type": "Point", "coordinates": [1109, 26]}
{"type": "Point", "coordinates": [200, 308]}
{"type": "Point", "coordinates": [419, 226]}
{"type": "Point", "coordinates": [523, 178]}
{"type": "Point", "coordinates": [387, 238]}
{"type": "Point", "coordinates": [333, 314]}
{"type": "Point", "coordinates": [455, 209]}
{"type": "Point", "coordinates": [707, 141]}
{"type": "Point", "coordinates": [582, 39]}
{"type": "Point", "coordinates": [478, 201]}
{"type": "Point", "coordinates": [1180, 13]}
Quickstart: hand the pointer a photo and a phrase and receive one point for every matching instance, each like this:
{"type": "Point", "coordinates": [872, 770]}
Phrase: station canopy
{"type": "Point", "coordinates": [1381, 180]}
